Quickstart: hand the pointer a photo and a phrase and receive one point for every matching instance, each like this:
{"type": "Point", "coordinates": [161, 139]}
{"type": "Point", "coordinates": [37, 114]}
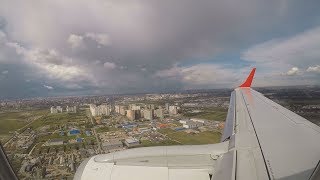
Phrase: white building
{"type": "Point", "coordinates": [173, 110]}
{"type": "Point", "coordinates": [159, 113]}
{"type": "Point", "coordinates": [131, 142]}
{"type": "Point", "coordinates": [192, 124]}
{"type": "Point", "coordinates": [134, 107]}
{"type": "Point", "coordinates": [148, 114]}
{"type": "Point", "coordinates": [57, 109]}
{"type": "Point", "coordinates": [53, 110]}
{"type": "Point", "coordinates": [122, 110]}
{"type": "Point", "coordinates": [71, 109]}
{"type": "Point", "coordinates": [198, 120]}
{"type": "Point", "coordinates": [183, 121]}
{"type": "Point", "coordinates": [131, 114]}
{"type": "Point", "coordinates": [103, 109]}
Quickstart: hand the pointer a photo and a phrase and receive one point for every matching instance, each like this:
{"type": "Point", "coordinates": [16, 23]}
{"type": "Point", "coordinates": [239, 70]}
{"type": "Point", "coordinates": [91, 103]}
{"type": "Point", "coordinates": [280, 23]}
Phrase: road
{"type": "Point", "coordinates": [94, 131]}
{"type": "Point", "coordinates": [17, 131]}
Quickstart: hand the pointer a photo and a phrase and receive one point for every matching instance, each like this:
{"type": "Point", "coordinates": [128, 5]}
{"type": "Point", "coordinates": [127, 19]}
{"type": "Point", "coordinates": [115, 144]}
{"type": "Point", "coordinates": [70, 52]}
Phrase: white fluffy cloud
{"type": "Point", "coordinates": [293, 71]}
{"type": "Point", "coordinates": [100, 38]}
{"type": "Point", "coordinates": [276, 56]}
{"type": "Point", "coordinates": [51, 64]}
{"type": "Point", "coordinates": [315, 69]}
{"type": "Point", "coordinates": [79, 41]}
{"type": "Point", "coordinates": [209, 75]}
{"type": "Point", "coordinates": [75, 41]}
{"type": "Point", "coordinates": [301, 49]}
{"type": "Point", "coordinates": [48, 87]}
{"type": "Point", "coordinates": [109, 65]}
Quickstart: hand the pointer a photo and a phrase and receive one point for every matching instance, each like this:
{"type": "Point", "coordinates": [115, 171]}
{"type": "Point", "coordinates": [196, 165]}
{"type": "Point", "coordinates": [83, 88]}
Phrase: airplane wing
{"type": "Point", "coordinates": [261, 140]}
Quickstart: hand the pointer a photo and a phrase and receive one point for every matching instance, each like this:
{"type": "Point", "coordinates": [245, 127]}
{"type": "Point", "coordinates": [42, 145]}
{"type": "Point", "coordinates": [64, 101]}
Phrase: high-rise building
{"type": "Point", "coordinates": [71, 109]}
{"type": "Point", "coordinates": [167, 106]}
{"type": "Point", "coordinates": [173, 110]}
{"type": "Point", "coordinates": [122, 110]}
{"type": "Point", "coordinates": [134, 107]}
{"type": "Point", "coordinates": [103, 109]}
{"type": "Point", "coordinates": [159, 113]}
{"type": "Point", "coordinates": [138, 114]}
{"type": "Point", "coordinates": [93, 109]}
{"type": "Point", "coordinates": [148, 114]}
{"type": "Point", "coordinates": [53, 110]}
{"type": "Point", "coordinates": [117, 109]}
{"type": "Point", "coordinates": [131, 114]}
{"type": "Point", "coordinates": [59, 109]}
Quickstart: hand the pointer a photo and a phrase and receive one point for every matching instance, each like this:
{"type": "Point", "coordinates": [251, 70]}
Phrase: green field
{"type": "Point", "coordinates": [215, 114]}
{"type": "Point", "coordinates": [59, 119]}
{"type": "Point", "coordinates": [207, 137]}
{"type": "Point", "coordinates": [105, 129]}
{"type": "Point", "coordinates": [13, 120]}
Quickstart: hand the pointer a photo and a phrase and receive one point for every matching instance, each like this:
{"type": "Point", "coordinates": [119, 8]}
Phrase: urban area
{"type": "Point", "coordinates": [48, 138]}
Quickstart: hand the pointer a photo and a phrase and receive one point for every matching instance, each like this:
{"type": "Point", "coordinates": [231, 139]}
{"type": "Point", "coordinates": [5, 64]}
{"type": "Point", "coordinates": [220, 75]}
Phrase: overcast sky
{"type": "Point", "coordinates": [51, 48]}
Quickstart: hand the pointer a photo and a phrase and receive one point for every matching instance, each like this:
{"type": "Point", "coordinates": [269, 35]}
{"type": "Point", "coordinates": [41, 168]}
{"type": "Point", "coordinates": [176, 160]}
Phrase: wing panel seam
{"type": "Point", "coordinates": [264, 159]}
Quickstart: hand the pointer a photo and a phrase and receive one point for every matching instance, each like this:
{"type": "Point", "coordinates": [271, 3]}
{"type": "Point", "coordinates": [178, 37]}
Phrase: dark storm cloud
{"type": "Point", "coordinates": [129, 46]}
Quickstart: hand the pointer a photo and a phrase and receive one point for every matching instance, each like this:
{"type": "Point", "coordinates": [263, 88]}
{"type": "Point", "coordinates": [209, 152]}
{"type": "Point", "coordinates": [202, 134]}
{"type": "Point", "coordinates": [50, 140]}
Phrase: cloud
{"type": "Point", "coordinates": [109, 65]}
{"type": "Point", "coordinates": [200, 75]}
{"type": "Point", "coordinates": [48, 87]}
{"type": "Point", "coordinates": [3, 36]}
{"type": "Point", "coordinates": [66, 42]}
{"type": "Point", "coordinates": [5, 72]}
{"type": "Point", "coordinates": [51, 64]}
{"type": "Point", "coordinates": [100, 38]}
{"type": "Point", "coordinates": [80, 41]}
{"type": "Point", "coordinates": [293, 71]}
{"type": "Point", "coordinates": [315, 69]}
{"type": "Point", "coordinates": [277, 55]}
{"type": "Point", "coordinates": [301, 49]}
{"type": "Point", "coordinates": [75, 41]}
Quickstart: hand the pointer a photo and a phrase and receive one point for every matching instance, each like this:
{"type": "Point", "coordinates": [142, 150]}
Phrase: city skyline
{"type": "Point", "coordinates": [109, 47]}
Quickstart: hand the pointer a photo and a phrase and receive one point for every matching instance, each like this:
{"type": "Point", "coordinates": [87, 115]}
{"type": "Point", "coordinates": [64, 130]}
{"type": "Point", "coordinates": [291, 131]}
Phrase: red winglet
{"type": "Point", "coordinates": [248, 82]}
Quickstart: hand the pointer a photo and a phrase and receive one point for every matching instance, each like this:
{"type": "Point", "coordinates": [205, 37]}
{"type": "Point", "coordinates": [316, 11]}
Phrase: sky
{"type": "Point", "coordinates": [91, 47]}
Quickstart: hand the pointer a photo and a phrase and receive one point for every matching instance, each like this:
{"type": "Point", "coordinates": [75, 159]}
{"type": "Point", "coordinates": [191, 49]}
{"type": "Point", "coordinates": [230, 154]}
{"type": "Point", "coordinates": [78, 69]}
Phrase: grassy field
{"type": "Point", "coordinates": [207, 137]}
{"type": "Point", "coordinates": [59, 119]}
{"type": "Point", "coordinates": [13, 120]}
{"type": "Point", "coordinates": [105, 129]}
{"type": "Point", "coordinates": [215, 114]}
